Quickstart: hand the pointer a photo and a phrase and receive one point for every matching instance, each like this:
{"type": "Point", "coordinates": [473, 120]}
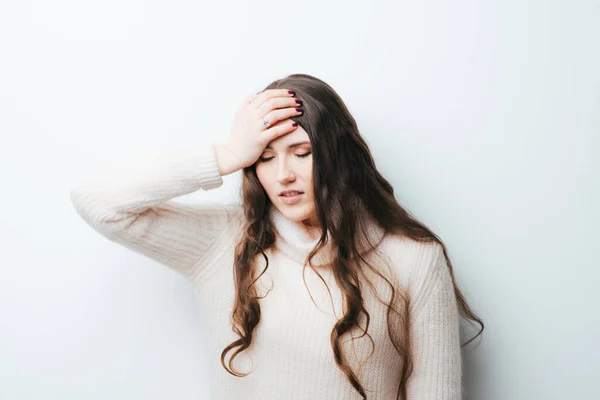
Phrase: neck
{"type": "Point", "coordinates": [297, 239]}
{"type": "Point", "coordinates": [312, 227]}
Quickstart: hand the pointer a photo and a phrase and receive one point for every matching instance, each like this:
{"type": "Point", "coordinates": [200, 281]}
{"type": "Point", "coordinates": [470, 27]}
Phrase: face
{"type": "Point", "coordinates": [286, 164]}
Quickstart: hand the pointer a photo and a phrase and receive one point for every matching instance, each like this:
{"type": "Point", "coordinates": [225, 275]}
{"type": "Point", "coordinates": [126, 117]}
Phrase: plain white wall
{"type": "Point", "coordinates": [484, 115]}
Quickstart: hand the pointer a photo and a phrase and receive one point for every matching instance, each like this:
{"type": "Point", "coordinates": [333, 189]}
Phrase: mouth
{"type": "Point", "coordinates": [290, 193]}
{"type": "Point", "coordinates": [291, 197]}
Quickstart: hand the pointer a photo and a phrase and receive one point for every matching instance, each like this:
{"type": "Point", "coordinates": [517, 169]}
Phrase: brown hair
{"type": "Point", "coordinates": [346, 186]}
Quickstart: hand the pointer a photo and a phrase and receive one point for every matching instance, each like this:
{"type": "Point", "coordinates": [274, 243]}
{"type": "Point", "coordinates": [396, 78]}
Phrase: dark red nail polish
{"type": "Point", "coordinates": [292, 92]}
{"type": "Point", "coordinates": [294, 124]}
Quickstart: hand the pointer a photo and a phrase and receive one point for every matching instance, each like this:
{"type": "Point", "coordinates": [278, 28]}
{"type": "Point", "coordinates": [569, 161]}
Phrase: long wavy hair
{"type": "Point", "coordinates": [346, 186]}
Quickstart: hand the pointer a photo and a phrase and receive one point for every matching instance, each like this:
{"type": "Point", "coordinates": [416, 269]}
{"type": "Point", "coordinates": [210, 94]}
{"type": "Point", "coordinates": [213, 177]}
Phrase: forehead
{"type": "Point", "coordinates": [294, 137]}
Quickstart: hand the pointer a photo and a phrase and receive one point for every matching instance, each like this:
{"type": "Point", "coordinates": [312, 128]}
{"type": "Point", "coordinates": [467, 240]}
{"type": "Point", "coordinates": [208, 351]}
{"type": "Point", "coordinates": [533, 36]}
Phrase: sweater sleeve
{"type": "Point", "coordinates": [437, 369]}
{"type": "Point", "coordinates": [130, 203]}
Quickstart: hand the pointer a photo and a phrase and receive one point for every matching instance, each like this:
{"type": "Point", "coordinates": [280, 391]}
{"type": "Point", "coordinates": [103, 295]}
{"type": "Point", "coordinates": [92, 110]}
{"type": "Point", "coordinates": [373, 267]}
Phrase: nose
{"type": "Point", "coordinates": [284, 172]}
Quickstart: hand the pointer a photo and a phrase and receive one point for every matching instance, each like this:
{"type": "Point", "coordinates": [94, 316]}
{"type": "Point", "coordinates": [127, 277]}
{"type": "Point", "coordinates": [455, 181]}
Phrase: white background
{"type": "Point", "coordinates": [484, 115]}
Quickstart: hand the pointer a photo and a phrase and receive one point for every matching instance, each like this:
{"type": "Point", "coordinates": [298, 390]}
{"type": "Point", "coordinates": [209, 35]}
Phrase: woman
{"type": "Point", "coordinates": [319, 285]}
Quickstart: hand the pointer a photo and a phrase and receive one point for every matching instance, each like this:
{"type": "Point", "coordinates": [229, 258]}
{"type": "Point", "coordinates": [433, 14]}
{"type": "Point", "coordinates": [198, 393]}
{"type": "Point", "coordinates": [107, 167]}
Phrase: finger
{"type": "Point", "coordinates": [250, 97]}
{"type": "Point", "coordinates": [282, 114]}
{"type": "Point", "coordinates": [277, 103]}
{"type": "Point", "coordinates": [281, 128]}
{"type": "Point", "coordinates": [269, 94]}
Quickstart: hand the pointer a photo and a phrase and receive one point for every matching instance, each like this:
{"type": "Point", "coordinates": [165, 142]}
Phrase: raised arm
{"type": "Point", "coordinates": [437, 373]}
{"type": "Point", "coordinates": [130, 203]}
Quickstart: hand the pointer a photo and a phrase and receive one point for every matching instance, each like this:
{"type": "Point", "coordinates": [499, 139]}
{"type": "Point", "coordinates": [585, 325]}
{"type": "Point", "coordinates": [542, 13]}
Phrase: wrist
{"type": "Point", "coordinates": [228, 162]}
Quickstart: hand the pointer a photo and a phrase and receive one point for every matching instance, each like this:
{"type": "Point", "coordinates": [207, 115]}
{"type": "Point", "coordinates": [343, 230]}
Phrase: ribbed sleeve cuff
{"type": "Point", "coordinates": [208, 169]}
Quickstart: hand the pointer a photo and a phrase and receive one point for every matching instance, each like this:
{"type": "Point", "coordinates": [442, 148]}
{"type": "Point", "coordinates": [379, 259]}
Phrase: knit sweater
{"type": "Point", "coordinates": [132, 203]}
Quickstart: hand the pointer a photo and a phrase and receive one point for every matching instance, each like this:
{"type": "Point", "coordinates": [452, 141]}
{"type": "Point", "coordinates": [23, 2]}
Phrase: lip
{"type": "Point", "coordinates": [289, 190]}
{"type": "Point", "coordinates": [291, 199]}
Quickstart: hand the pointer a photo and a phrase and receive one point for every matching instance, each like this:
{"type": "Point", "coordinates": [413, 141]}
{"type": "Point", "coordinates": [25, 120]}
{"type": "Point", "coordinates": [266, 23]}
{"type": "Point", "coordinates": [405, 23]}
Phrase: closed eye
{"type": "Point", "coordinates": [297, 155]}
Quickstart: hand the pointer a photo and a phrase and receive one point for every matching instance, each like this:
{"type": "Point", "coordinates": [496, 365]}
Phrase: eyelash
{"type": "Point", "coordinates": [298, 155]}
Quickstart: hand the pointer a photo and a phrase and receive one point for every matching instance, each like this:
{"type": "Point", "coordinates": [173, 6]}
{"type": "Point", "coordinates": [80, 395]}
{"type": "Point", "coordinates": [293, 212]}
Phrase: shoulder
{"type": "Point", "coordinates": [231, 215]}
{"type": "Point", "coordinates": [413, 262]}
{"type": "Point", "coordinates": [410, 252]}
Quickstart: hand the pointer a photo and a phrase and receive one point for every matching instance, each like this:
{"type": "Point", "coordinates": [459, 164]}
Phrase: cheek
{"type": "Point", "coordinates": [263, 178]}
{"type": "Point", "coordinates": [307, 175]}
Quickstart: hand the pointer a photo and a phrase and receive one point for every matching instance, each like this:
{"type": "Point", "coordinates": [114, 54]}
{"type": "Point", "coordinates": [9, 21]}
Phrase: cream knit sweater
{"type": "Point", "coordinates": [291, 356]}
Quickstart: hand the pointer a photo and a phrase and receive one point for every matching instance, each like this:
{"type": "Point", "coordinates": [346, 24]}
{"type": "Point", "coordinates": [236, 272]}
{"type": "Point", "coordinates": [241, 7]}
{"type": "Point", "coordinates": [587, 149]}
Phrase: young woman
{"type": "Point", "coordinates": [319, 285]}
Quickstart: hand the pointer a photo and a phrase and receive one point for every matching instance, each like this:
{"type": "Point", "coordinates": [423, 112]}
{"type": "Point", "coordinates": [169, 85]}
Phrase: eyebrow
{"type": "Point", "coordinates": [291, 146]}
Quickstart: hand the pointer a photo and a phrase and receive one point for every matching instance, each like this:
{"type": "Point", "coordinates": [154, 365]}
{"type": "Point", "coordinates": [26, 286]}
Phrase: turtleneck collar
{"type": "Point", "coordinates": [295, 241]}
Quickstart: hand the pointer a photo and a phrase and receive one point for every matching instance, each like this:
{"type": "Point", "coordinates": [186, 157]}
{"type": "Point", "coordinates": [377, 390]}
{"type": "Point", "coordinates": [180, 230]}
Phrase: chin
{"type": "Point", "coordinates": [297, 213]}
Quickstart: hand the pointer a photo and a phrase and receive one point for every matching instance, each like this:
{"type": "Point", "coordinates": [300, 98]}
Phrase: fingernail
{"type": "Point", "coordinates": [292, 92]}
{"type": "Point", "coordinates": [299, 102]}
